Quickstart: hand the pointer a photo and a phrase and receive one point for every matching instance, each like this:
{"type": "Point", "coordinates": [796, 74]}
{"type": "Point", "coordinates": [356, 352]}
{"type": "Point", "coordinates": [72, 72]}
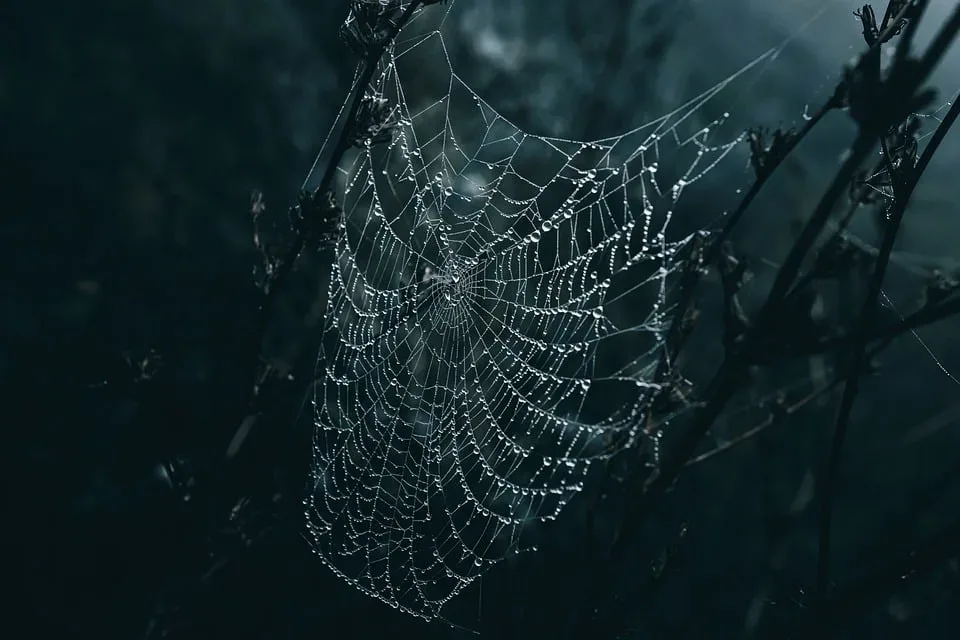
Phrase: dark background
{"type": "Point", "coordinates": [132, 136]}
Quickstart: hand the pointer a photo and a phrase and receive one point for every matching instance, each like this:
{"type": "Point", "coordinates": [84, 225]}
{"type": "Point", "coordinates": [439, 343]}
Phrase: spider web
{"type": "Point", "coordinates": [496, 314]}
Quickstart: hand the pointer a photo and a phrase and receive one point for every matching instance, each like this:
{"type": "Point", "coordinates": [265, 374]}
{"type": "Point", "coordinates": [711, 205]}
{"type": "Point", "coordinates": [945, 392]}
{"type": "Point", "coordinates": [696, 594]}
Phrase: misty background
{"type": "Point", "coordinates": [133, 135]}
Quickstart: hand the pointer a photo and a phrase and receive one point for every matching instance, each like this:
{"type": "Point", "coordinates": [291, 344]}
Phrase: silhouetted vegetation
{"type": "Point", "coordinates": [161, 392]}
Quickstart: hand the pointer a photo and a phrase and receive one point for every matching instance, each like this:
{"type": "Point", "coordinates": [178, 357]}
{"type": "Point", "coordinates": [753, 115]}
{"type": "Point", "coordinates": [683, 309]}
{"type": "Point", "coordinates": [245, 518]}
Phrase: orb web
{"type": "Point", "coordinates": [496, 312]}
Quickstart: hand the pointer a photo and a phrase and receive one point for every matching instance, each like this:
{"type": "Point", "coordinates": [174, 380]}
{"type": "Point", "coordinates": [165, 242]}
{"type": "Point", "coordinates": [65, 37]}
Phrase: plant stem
{"type": "Point", "coordinates": [341, 133]}
{"type": "Point", "coordinates": [732, 371]}
{"type": "Point", "coordinates": [903, 190]}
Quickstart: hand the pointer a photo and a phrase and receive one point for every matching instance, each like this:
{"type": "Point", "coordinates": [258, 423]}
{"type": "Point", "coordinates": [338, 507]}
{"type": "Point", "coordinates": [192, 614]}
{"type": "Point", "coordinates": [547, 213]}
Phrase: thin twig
{"type": "Point", "coordinates": [772, 419]}
{"type": "Point", "coordinates": [903, 190]}
{"type": "Point", "coordinates": [343, 129]}
{"type": "Point", "coordinates": [882, 336]}
{"type": "Point", "coordinates": [733, 370]}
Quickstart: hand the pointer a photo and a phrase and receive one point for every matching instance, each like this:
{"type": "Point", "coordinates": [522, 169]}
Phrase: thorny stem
{"type": "Point", "coordinates": [903, 189]}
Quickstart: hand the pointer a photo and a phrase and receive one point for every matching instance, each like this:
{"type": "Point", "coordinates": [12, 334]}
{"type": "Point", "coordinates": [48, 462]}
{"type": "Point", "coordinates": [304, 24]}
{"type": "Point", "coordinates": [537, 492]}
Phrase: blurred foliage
{"type": "Point", "coordinates": [134, 134]}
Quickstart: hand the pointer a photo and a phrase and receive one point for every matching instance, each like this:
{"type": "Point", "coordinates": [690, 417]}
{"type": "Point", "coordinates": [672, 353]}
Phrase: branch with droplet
{"type": "Point", "coordinates": [316, 222]}
{"type": "Point", "coordinates": [877, 104]}
{"type": "Point", "coordinates": [316, 219]}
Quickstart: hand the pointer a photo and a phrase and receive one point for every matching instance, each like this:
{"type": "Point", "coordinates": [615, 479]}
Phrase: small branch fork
{"type": "Point", "coordinates": [316, 222]}
{"type": "Point", "coordinates": [878, 103]}
{"type": "Point", "coordinates": [316, 219]}
{"type": "Point", "coordinates": [904, 180]}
